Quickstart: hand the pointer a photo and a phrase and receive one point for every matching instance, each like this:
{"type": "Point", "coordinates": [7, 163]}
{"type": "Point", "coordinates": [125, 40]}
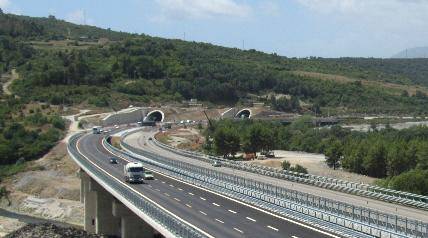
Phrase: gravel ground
{"type": "Point", "coordinates": [49, 231]}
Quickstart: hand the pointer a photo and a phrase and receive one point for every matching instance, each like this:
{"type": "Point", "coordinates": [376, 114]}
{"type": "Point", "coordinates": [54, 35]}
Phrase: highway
{"type": "Point", "coordinates": [140, 140]}
{"type": "Point", "coordinates": [214, 214]}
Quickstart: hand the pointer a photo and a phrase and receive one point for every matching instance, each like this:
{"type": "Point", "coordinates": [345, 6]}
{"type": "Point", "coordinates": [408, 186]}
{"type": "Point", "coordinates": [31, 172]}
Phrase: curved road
{"type": "Point", "coordinates": [214, 214]}
{"type": "Point", "coordinates": [140, 140]}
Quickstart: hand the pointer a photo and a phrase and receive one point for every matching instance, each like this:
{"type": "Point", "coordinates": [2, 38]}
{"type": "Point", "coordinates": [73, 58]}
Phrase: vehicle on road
{"type": "Point", "coordinates": [113, 161]}
{"type": "Point", "coordinates": [216, 164]}
{"type": "Point", "coordinates": [134, 172]}
{"type": "Point", "coordinates": [97, 130]}
{"type": "Point", "coordinates": [148, 175]}
{"type": "Point", "coordinates": [150, 138]}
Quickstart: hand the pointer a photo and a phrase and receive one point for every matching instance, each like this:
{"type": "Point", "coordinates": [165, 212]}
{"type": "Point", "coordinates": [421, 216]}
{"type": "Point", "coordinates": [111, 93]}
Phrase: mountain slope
{"type": "Point", "coordinates": [413, 53]}
{"type": "Point", "coordinates": [148, 69]}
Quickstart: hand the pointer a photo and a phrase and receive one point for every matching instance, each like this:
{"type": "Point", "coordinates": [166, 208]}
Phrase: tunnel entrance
{"type": "Point", "coordinates": [156, 115]}
{"type": "Point", "coordinates": [244, 113]}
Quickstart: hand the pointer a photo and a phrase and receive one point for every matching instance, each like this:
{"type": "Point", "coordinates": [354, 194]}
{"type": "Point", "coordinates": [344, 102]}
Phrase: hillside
{"type": "Point", "coordinates": [64, 63]}
{"type": "Point", "coordinates": [412, 53]}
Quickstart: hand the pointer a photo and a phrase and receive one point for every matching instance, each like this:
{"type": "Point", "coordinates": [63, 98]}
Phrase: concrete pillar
{"type": "Point", "coordinates": [132, 226]}
{"type": "Point", "coordinates": [90, 201]}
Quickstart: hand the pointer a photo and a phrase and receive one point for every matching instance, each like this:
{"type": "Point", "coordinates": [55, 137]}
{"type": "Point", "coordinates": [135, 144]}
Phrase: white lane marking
{"type": "Point", "coordinates": [215, 204]}
{"type": "Point", "coordinates": [273, 228]}
{"type": "Point", "coordinates": [176, 199]}
{"type": "Point", "coordinates": [171, 185]}
{"type": "Point", "coordinates": [235, 200]}
{"type": "Point", "coordinates": [294, 236]}
{"type": "Point", "coordinates": [156, 179]}
{"type": "Point", "coordinates": [188, 205]}
{"type": "Point", "coordinates": [219, 220]}
{"type": "Point", "coordinates": [251, 219]}
{"type": "Point", "coordinates": [180, 189]}
{"type": "Point", "coordinates": [191, 194]}
{"type": "Point", "coordinates": [202, 198]}
{"type": "Point", "coordinates": [232, 211]}
{"type": "Point", "coordinates": [157, 189]}
{"type": "Point", "coordinates": [203, 213]}
{"type": "Point", "coordinates": [129, 187]}
{"type": "Point", "coordinates": [163, 181]}
{"type": "Point", "coordinates": [236, 229]}
{"type": "Point", "coordinates": [150, 186]}
{"type": "Point", "coordinates": [166, 194]}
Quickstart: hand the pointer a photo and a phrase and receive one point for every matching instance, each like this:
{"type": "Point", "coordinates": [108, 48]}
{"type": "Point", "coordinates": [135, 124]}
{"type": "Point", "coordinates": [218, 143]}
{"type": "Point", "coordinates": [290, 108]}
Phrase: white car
{"type": "Point", "coordinates": [148, 175]}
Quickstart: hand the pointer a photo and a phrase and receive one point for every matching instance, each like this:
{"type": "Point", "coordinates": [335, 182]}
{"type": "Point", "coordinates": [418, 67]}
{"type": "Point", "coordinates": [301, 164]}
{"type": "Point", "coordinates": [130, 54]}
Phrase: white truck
{"type": "Point", "coordinates": [134, 172]}
{"type": "Point", "coordinates": [97, 130]}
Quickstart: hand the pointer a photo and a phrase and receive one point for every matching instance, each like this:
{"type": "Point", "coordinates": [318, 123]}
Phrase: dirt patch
{"type": "Point", "coordinates": [397, 88]}
{"type": "Point", "coordinates": [315, 163]}
{"type": "Point", "coordinates": [49, 231]}
{"type": "Point", "coordinates": [49, 188]}
{"type": "Point", "coordinates": [8, 225]}
{"type": "Point", "coordinates": [184, 138]}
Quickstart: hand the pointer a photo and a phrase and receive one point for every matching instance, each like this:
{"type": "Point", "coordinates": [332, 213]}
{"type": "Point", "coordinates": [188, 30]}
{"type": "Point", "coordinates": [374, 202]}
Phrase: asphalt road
{"type": "Point", "coordinates": [214, 214]}
{"type": "Point", "coordinates": [140, 140]}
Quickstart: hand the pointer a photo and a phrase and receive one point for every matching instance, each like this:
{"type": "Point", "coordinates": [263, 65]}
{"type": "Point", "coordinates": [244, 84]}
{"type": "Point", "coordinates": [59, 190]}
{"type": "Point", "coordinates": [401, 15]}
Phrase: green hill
{"type": "Point", "coordinates": [64, 63]}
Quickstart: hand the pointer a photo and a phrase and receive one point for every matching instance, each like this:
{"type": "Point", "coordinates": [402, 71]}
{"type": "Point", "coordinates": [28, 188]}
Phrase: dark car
{"type": "Point", "coordinates": [113, 161]}
{"type": "Point", "coordinates": [150, 138]}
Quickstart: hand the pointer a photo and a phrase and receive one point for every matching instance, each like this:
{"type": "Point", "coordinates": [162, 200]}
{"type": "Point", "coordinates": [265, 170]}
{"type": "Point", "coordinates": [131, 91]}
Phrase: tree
{"type": "Point", "coordinates": [226, 141]}
{"type": "Point", "coordinates": [334, 154]}
{"type": "Point", "coordinates": [285, 165]}
{"type": "Point", "coordinates": [259, 137]}
{"type": "Point", "coordinates": [374, 162]}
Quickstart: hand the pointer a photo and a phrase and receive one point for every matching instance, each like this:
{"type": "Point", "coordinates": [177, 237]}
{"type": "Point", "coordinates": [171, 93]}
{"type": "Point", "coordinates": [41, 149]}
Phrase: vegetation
{"type": "Point", "coordinates": [297, 168]}
{"type": "Point", "coordinates": [396, 155]}
{"type": "Point", "coordinates": [142, 68]}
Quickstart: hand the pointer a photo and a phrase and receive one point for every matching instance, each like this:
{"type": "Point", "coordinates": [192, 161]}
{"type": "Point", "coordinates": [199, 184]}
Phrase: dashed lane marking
{"type": "Point", "coordinates": [188, 205]}
{"type": "Point", "coordinates": [203, 213]}
{"type": "Point", "coordinates": [232, 211]}
{"type": "Point", "coordinates": [176, 199]}
{"type": "Point", "coordinates": [191, 194]}
{"type": "Point", "coordinates": [215, 204]}
{"type": "Point", "coordinates": [251, 219]}
{"type": "Point", "coordinates": [236, 229]}
{"type": "Point", "coordinates": [180, 189]}
{"type": "Point", "coordinates": [219, 221]}
{"type": "Point", "coordinates": [273, 228]}
{"type": "Point", "coordinates": [166, 194]}
{"type": "Point", "coordinates": [203, 198]}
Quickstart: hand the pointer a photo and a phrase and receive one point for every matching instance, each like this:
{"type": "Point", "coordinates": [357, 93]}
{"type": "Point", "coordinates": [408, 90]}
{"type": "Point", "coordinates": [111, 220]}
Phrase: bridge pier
{"type": "Point", "coordinates": [132, 226]}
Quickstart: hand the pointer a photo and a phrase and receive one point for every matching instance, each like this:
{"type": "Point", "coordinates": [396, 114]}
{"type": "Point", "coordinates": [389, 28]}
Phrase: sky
{"type": "Point", "coordinates": [293, 28]}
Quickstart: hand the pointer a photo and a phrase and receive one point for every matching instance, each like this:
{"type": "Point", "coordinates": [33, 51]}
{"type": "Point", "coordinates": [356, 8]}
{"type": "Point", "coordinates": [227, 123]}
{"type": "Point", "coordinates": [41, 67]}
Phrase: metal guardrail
{"type": "Point", "coordinates": [282, 200]}
{"type": "Point", "coordinates": [360, 189]}
{"type": "Point", "coordinates": [169, 222]}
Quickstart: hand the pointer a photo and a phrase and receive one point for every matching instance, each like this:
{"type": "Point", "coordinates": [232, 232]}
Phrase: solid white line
{"type": "Point", "coordinates": [191, 194]}
{"type": "Point", "coordinates": [219, 220]}
{"type": "Point", "coordinates": [188, 205]}
{"type": "Point", "coordinates": [236, 229]}
{"type": "Point", "coordinates": [203, 213]}
{"type": "Point", "coordinates": [202, 198]}
{"type": "Point", "coordinates": [176, 199]}
{"type": "Point", "coordinates": [215, 204]}
{"type": "Point", "coordinates": [130, 188]}
{"type": "Point", "coordinates": [240, 202]}
{"type": "Point", "coordinates": [273, 228]}
{"type": "Point", "coordinates": [232, 211]}
{"type": "Point", "coordinates": [251, 219]}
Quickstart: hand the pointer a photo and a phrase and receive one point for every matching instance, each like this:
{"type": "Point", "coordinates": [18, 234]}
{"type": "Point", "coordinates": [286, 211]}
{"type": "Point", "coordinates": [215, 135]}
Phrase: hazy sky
{"type": "Point", "coordinates": [328, 28]}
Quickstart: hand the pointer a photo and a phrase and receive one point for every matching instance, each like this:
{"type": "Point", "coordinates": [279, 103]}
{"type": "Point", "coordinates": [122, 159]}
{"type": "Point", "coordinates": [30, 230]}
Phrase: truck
{"type": "Point", "coordinates": [134, 172]}
{"type": "Point", "coordinates": [97, 130]}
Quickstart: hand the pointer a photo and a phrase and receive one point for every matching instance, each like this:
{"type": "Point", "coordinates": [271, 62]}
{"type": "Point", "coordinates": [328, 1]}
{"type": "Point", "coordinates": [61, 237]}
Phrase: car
{"type": "Point", "coordinates": [147, 175]}
{"type": "Point", "coordinates": [150, 138]}
{"type": "Point", "coordinates": [113, 161]}
{"type": "Point", "coordinates": [216, 164]}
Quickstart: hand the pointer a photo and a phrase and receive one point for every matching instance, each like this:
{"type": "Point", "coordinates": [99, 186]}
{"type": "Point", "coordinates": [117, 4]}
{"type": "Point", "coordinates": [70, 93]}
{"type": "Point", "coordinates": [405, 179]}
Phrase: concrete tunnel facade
{"type": "Point", "coordinates": [155, 115]}
{"type": "Point", "coordinates": [244, 113]}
